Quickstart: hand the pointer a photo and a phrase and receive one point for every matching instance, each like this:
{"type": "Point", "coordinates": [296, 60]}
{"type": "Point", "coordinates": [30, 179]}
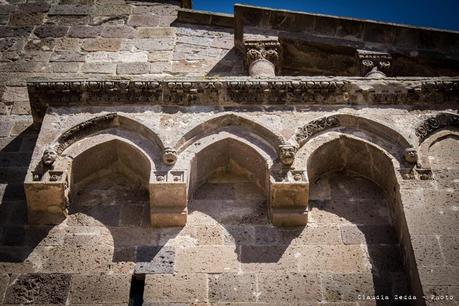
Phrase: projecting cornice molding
{"type": "Point", "coordinates": [241, 91]}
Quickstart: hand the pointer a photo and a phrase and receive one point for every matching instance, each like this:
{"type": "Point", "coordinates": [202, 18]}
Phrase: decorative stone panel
{"type": "Point", "coordinates": [374, 64]}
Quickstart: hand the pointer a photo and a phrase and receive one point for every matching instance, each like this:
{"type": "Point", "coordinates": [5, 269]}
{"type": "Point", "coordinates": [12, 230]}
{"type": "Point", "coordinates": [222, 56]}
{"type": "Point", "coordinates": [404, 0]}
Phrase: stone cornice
{"type": "Point", "coordinates": [241, 91]}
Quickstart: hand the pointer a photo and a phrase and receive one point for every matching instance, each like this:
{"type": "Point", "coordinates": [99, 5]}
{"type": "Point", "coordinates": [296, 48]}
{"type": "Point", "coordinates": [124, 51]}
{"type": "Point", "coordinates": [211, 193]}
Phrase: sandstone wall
{"type": "Point", "coordinates": [69, 39]}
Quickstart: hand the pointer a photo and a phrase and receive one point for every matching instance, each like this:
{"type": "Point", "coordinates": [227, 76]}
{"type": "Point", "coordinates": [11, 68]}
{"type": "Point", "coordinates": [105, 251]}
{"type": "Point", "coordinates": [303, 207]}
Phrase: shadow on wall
{"type": "Point", "coordinates": [229, 187]}
{"type": "Point", "coordinates": [344, 177]}
{"type": "Point", "coordinates": [16, 238]}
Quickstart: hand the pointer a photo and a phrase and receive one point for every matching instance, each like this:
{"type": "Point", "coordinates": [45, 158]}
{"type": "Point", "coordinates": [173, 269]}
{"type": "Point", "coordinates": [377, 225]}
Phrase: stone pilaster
{"type": "Point", "coordinates": [262, 57]}
{"type": "Point", "coordinates": [374, 64]}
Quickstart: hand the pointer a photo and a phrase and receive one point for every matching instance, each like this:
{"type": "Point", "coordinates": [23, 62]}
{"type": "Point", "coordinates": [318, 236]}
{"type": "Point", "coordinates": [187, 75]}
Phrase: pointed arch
{"type": "Point", "coordinates": [101, 123]}
{"type": "Point", "coordinates": [114, 154]}
{"type": "Point", "coordinates": [375, 132]}
{"type": "Point", "coordinates": [238, 124]}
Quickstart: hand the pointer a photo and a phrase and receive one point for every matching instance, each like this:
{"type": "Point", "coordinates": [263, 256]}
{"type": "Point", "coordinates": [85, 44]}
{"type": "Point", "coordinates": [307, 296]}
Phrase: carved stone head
{"type": "Point", "coordinates": [49, 156]}
{"type": "Point", "coordinates": [287, 154]}
{"type": "Point", "coordinates": [169, 156]}
{"type": "Point", "coordinates": [411, 155]}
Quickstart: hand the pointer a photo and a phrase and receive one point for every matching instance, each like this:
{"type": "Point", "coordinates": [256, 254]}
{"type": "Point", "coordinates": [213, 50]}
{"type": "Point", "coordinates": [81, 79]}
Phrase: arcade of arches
{"type": "Point", "coordinates": [151, 154]}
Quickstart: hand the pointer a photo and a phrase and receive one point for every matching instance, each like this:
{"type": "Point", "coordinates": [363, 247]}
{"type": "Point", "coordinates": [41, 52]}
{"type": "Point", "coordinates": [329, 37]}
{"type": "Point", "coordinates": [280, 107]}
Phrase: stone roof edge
{"type": "Point", "coordinates": [205, 18]}
{"type": "Point", "coordinates": [376, 22]}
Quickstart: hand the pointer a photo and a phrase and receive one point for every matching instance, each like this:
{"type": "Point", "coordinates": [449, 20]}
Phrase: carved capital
{"type": "Point", "coordinates": [374, 64]}
{"type": "Point", "coordinates": [261, 57]}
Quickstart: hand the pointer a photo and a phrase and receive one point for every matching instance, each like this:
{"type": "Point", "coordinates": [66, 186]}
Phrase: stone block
{"type": "Point", "coordinates": [101, 44]}
{"type": "Point", "coordinates": [6, 31]}
{"type": "Point", "coordinates": [4, 281]}
{"type": "Point", "coordinates": [67, 44]}
{"type": "Point", "coordinates": [51, 31]}
{"type": "Point", "coordinates": [155, 259]}
{"type": "Point", "coordinates": [5, 128]}
{"type": "Point", "coordinates": [175, 288]}
{"type": "Point", "coordinates": [120, 56]}
{"type": "Point", "coordinates": [5, 9]}
{"type": "Point", "coordinates": [143, 20]}
{"type": "Point", "coordinates": [38, 289]}
{"type": "Point", "coordinates": [15, 94]}
{"type": "Point", "coordinates": [160, 56]}
{"type": "Point", "coordinates": [158, 32]}
{"type": "Point", "coordinates": [450, 248]}
{"type": "Point", "coordinates": [26, 19]}
{"type": "Point", "coordinates": [118, 32]}
{"type": "Point", "coordinates": [439, 276]}
{"type": "Point", "coordinates": [347, 287]}
{"type": "Point", "coordinates": [368, 234]}
{"type": "Point", "coordinates": [288, 288]}
{"type": "Point", "coordinates": [268, 258]}
{"type": "Point", "coordinates": [232, 287]}
{"type": "Point", "coordinates": [103, 288]}
{"type": "Point", "coordinates": [331, 258]}
{"type": "Point", "coordinates": [45, 44]}
{"type": "Point", "coordinates": [62, 67]}
{"type": "Point", "coordinates": [70, 9]}
{"type": "Point", "coordinates": [34, 7]}
{"type": "Point", "coordinates": [99, 68]}
{"type": "Point", "coordinates": [47, 200]}
{"type": "Point", "coordinates": [85, 31]}
{"type": "Point", "coordinates": [208, 259]}
{"type": "Point", "coordinates": [208, 234]}
{"type": "Point", "coordinates": [133, 68]}
{"type": "Point", "coordinates": [111, 9]}
{"type": "Point", "coordinates": [67, 56]}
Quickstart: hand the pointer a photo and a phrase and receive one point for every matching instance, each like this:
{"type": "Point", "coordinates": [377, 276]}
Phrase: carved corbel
{"type": "Point", "coordinates": [169, 156]}
{"type": "Point", "coordinates": [287, 154]}
{"type": "Point", "coordinates": [374, 64]}
{"type": "Point", "coordinates": [262, 57]}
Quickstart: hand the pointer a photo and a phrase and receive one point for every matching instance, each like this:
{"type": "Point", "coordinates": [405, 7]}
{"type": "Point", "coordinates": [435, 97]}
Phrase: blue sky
{"type": "Point", "coordinates": [442, 14]}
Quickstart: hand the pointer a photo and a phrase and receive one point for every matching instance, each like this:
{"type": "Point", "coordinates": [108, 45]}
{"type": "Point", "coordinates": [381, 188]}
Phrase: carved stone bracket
{"type": "Point", "coordinates": [47, 199]}
{"type": "Point", "coordinates": [434, 123]}
{"type": "Point", "coordinates": [168, 198]}
{"type": "Point", "coordinates": [289, 198]}
{"type": "Point", "coordinates": [314, 127]}
{"type": "Point", "coordinates": [262, 57]}
{"type": "Point", "coordinates": [374, 64]}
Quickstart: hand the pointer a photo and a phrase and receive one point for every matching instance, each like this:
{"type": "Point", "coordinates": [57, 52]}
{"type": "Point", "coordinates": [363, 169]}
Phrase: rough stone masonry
{"type": "Point", "coordinates": [158, 155]}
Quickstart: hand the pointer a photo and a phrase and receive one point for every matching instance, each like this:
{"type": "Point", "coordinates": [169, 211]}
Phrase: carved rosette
{"type": "Point", "coordinates": [431, 124]}
{"type": "Point", "coordinates": [315, 127]}
{"type": "Point", "coordinates": [374, 64]}
{"type": "Point", "coordinates": [262, 57]}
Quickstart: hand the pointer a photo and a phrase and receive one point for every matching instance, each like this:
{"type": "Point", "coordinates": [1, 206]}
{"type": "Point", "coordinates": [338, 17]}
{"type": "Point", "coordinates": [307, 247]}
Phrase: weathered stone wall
{"type": "Point", "coordinates": [90, 258]}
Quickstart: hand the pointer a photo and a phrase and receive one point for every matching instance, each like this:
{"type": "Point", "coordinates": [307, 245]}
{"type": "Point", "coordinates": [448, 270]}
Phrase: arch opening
{"type": "Point", "coordinates": [353, 185]}
{"type": "Point", "coordinates": [109, 182]}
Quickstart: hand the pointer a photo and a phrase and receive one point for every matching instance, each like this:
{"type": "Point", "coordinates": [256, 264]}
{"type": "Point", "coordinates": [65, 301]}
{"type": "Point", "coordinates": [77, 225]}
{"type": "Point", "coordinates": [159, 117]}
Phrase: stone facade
{"type": "Point", "coordinates": [152, 153]}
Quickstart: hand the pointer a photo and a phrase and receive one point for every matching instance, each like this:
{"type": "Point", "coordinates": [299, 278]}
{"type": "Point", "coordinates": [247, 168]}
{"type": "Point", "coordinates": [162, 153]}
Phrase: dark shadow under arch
{"type": "Point", "coordinates": [229, 182]}
{"type": "Point", "coordinates": [356, 158]}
